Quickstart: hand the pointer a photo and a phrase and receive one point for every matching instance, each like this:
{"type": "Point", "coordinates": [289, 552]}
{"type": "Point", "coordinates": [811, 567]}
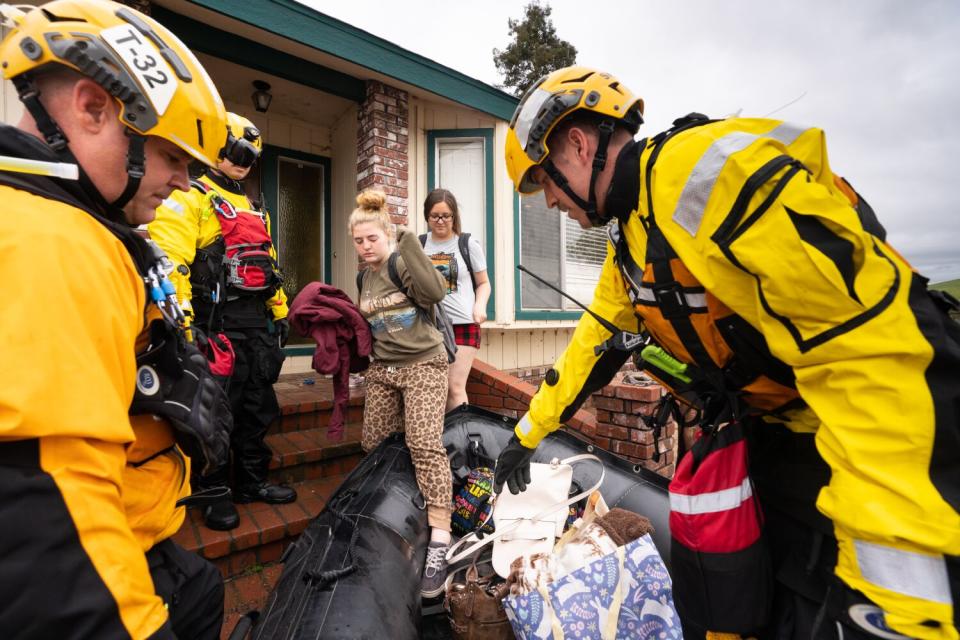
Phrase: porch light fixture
{"type": "Point", "coordinates": [262, 96]}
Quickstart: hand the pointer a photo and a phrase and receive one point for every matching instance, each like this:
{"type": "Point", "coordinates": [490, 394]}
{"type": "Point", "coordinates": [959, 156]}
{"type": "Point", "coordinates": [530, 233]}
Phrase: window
{"type": "Point", "coordinates": [461, 160]}
{"type": "Point", "coordinates": [555, 248]}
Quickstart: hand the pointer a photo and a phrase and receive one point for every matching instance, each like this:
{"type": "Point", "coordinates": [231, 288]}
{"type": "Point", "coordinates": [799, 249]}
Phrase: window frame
{"type": "Point", "coordinates": [534, 314]}
{"type": "Point", "coordinates": [433, 149]}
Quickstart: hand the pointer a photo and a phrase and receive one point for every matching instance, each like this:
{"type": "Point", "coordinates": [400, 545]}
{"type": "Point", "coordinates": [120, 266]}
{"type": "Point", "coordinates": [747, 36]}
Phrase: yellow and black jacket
{"type": "Point", "coordinates": [187, 229]}
{"type": "Point", "coordinates": [80, 507]}
{"type": "Point", "coordinates": [764, 256]}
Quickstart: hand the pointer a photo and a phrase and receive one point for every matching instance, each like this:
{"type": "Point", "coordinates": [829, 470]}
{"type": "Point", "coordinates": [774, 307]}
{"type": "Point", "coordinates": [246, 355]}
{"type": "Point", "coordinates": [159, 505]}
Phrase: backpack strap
{"type": "Point", "coordinates": [360, 275]}
{"type": "Point", "coordinates": [464, 243]}
{"type": "Point", "coordinates": [423, 239]}
{"type": "Point", "coordinates": [394, 274]}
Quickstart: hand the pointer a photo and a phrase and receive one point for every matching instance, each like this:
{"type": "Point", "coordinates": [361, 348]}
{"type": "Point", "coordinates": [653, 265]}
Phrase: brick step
{"type": "Point", "coordinates": [265, 530]}
{"type": "Point", "coordinates": [310, 454]}
{"type": "Point", "coordinates": [247, 592]}
{"type": "Point", "coordinates": [309, 406]}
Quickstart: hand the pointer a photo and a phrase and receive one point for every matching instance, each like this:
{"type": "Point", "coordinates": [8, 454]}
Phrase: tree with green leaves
{"type": "Point", "coordinates": [536, 50]}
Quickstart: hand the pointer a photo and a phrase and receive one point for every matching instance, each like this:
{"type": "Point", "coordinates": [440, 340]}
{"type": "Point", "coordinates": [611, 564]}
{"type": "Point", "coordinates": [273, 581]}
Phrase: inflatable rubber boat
{"type": "Point", "coordinates": [355, 570]}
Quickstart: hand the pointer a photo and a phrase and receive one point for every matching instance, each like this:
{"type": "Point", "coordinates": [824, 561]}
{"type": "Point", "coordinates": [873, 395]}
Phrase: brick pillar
{"type": "Point", "coordinates": [621, 430]}
{"type": "Point", "coordinates": [383, 146]}
{"type": "Point", "coordinates": [143, 6]}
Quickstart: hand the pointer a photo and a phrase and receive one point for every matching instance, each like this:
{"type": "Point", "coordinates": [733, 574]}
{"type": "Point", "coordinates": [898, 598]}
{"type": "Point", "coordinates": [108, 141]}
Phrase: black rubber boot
{"type": "Point", "coordinates": [264, 492]}
{"type": "Point", "coordinates": [221, 516]}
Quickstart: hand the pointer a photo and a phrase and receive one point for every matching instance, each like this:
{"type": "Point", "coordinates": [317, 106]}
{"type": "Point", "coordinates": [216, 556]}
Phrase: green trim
{"type": "Point", "coordinates": [518, 312]}
{"type": "Point", "coordinates": [202, 37]}
{"type": "Point", "coordinates": [487, 136]}
{"type": "Point", "coordinates": [291, 20]}
{"type": "Point", "coordinates": [299, 350]}
{"type": "Point", "coordinates": [270, 182]}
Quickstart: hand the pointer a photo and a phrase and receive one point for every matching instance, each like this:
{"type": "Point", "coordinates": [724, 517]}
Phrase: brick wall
{"type": "Point", "coordinates": [383, 146]}
{"type": "Point", "coordinates": [143, 6]}
{"type": "Point", "coordinates": [614, 424]}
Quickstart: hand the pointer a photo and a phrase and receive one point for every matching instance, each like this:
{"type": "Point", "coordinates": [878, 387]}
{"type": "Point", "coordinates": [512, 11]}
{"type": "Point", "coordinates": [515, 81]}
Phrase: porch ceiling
{"type": "Point", "coordinates": [294, 41]}
{"type": "Point", "coordinates": [290, 99]}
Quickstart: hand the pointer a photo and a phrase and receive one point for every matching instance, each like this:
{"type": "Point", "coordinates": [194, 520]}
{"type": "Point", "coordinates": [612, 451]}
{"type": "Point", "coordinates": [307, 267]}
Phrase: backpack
{"type": "Point", "coordinates": [436, 315]}
{"type": "Point", "coordinates": [462, 242]}
{"type": "Point", "coordinates": [247, 263]}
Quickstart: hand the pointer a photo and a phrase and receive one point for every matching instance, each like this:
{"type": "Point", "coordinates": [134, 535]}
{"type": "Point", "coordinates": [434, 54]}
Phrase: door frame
{"type": "Point", "coordinates": [270, 183]}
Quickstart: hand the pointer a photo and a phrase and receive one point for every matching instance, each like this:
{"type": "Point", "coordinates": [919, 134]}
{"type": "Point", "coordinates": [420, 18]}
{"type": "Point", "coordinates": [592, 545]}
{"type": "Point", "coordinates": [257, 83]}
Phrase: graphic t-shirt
{"type": "Point", "coordinates": [401, 333]}
{"type": "Point", "coordinates": [446, 258]}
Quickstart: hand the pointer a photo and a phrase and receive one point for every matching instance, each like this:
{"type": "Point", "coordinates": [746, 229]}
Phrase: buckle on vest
{"type": "Point", "coordinates": [671, 300]}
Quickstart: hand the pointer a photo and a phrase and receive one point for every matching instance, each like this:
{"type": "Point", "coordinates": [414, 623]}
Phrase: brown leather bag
{"type": "Point", "coordinates": [475, 608]}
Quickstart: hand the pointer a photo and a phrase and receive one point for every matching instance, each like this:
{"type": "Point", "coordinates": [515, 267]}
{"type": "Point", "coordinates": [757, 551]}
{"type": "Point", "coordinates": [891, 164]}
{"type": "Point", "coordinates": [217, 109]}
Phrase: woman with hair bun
{"type": "Point", "coordinates": [467, 293]}
{"type": "Point", "coordinates": [407, 379]}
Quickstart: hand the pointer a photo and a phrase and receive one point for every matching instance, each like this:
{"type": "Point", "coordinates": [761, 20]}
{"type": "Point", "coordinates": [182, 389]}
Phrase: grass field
{"type": "Point", "coordinates": [950, 286]}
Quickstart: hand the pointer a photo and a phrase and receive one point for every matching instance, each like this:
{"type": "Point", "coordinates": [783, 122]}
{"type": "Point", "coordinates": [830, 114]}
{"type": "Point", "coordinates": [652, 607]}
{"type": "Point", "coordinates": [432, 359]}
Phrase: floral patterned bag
{"type": "Point", "coordinates": [624, 594]}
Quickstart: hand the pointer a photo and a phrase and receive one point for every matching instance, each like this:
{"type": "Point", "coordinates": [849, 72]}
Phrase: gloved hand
{"type": "Point", "coordinates": [174, 382]}
{"type": "Point", "coordinates": [513, 467]}
{"type": "Point", "coordinates": [282, 328]}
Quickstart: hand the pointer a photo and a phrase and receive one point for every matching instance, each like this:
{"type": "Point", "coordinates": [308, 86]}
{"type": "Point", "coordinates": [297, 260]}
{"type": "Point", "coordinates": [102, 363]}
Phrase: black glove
{"type": "Point", "coordinates": [282, 329]}
{"type": "Point", "coordinates": [174, 382]}
{"type": "Point", "coordinates": [513, 467]}
{"type": "Point", "coordinates": [848, 614]}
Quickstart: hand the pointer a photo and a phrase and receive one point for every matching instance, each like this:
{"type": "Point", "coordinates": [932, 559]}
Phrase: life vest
{"type": "Point", "coordinates": [732, 367]}
{"type": "Point", "coordinates": [239, 262]}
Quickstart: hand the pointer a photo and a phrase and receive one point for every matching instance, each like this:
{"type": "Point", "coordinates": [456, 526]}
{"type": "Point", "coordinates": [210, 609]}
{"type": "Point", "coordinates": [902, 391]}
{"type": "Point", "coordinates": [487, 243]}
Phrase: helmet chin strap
{"type": "Point", "coordinates": [57, 140]}
{"type": "Point", "coordinates": [599, 162]}
{"type": "Point", "coordinates": [136, 168]}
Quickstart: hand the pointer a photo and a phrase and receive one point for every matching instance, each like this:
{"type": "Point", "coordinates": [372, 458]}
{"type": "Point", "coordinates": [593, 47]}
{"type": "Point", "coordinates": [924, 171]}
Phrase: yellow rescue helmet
{"type": "Point", "coordinates": [161, 87]}
{"type": "Point", "coordinates": [244, 142]}
{"type": "Point", "coordinates": [552, 99]}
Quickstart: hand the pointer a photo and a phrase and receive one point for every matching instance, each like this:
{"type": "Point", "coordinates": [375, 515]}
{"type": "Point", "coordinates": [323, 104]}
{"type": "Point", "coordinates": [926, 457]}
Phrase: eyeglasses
{"type": "Point", "coordinates": [443, 217]}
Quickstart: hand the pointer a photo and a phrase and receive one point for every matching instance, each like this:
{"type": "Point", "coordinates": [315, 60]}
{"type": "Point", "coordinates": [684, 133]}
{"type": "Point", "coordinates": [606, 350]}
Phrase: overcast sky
{"type": "Point", "coordinates": [881, 77]}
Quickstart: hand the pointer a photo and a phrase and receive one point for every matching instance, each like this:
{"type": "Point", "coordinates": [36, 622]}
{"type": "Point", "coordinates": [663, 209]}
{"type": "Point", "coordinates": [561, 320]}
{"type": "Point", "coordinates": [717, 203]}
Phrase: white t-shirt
{"type": "Point", "coordinates": [446, 257]}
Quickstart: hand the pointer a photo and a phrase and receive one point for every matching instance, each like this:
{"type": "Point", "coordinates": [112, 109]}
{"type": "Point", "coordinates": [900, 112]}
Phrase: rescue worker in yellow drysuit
{"type": "Point", "coordinates": [89, 483]}
{"type": "Point", "coordinates": [743, 257]}
{"type": "Point", "coordinates": [198, 229]}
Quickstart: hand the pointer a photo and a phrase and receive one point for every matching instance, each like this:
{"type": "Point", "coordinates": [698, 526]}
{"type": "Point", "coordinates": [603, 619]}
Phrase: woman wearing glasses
{"type": "Point", "coordinates": [467, 294]}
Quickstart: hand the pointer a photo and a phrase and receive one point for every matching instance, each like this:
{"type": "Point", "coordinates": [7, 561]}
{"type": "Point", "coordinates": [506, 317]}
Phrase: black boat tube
{"type": "Point", "coordinates": [355, 571]}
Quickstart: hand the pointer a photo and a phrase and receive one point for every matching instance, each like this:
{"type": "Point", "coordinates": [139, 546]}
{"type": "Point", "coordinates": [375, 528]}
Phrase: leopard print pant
{"type": "Point", "coordinates": [411, 399]}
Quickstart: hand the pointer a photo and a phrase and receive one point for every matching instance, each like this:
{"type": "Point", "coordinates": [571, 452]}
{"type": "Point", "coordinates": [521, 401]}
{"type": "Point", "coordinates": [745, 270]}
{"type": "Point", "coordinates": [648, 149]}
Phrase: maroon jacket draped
{"type": "Point", "coordinates": [329, 316]}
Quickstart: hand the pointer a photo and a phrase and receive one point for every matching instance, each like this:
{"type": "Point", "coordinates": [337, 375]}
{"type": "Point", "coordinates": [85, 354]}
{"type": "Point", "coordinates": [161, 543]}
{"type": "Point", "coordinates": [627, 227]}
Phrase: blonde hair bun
{"type": "Point", "coordinates": [371, 200]}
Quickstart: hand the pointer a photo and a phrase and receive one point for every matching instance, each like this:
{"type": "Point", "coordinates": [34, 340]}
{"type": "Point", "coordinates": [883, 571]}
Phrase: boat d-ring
{"type": "Point", "coordinates": [423, 498]}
